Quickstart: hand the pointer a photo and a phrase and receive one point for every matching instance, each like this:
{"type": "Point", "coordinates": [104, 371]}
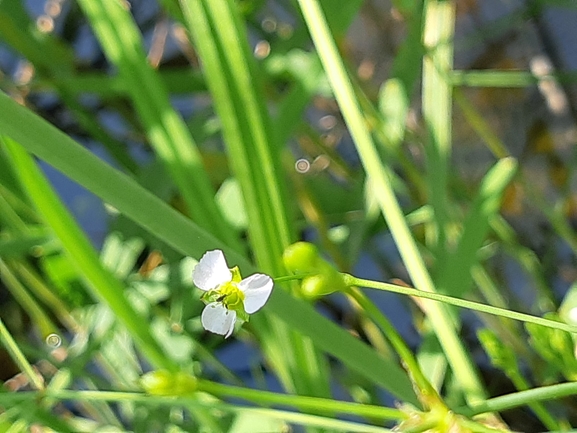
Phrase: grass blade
{"type": "Point", "coordinates": [352, 113]}
{"type": "Point", "coordinates": [167, 132]}
{"type": "Point", "coordinates": [155, 216]}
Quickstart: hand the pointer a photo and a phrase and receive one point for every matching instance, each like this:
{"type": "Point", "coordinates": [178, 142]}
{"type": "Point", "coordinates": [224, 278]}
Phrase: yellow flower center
{"type": "Point", "coordinates": [230, 295]}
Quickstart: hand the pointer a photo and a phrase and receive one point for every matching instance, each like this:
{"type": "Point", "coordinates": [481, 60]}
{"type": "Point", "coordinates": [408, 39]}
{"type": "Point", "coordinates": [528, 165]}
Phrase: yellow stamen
{"type": "Point", "coordinates": [230, 295]}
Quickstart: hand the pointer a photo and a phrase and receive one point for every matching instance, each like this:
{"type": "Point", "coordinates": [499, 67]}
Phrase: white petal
{"type": "Point", "coordinates": [257, 289]}
{"type": "Point", "coordinates": [218, 319]}
{"type": "Point", "coordinates": [211, 271]}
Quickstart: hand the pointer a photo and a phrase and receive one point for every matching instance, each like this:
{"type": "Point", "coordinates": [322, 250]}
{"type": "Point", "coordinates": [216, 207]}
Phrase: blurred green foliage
{"type": "Point", "coordinates": [247, 126]}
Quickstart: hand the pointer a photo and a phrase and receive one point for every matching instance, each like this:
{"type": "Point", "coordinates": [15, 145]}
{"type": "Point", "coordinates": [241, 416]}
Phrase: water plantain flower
{"type": "Point", "coordinates": [227, 295]}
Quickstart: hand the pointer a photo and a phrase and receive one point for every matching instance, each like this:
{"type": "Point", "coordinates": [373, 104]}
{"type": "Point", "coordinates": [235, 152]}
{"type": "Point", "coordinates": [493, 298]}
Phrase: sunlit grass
{"type": "Point", "coordinates": [130, 350]}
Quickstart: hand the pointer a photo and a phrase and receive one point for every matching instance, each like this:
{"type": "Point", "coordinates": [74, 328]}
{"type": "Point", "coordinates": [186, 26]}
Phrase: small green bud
{"type": "Point", "coordinates": [334, 278]}
{"type": "Point", "coordinates": [314, 287]}
{"type": "Point", "coordinates": [328, 281]}
{"type": "Point", "coordinates": [301, 257]}
{"type": "Point", "coordinates": [185, 383]}
{"type": "Point", "coordinates": [157, 382]}
{"type": "Point", "coordinates": [554, 346]}
{"type": "Point", "coordinates": [164, 382]}
{"type": "Point", "coordinates": [304, 258]}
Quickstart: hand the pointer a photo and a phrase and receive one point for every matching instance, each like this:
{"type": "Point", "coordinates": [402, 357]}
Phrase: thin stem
{"type": "Point", "coordinates": [427, 392]}
{"type": "Point", "coordinates": [291, 277]}
{"type": "Point", "coordinates": [26, 300]}
{"type": "Point", "coordinates": [263, 397]}
{"type": "Point", "coordinates": [380, 178]}
{"type": "Point", "coordinates": [44, 293]}
{"type": "Point", "coordinates": [541, 412]}
{"type": "Point", "coordinates": [18, 357]}
{"type": "Point", "coordinates": [302, 402]}
{"type": "Point", "coordinates": [483, 308]}
{"type": "Point", "coordinates": [521, 398]}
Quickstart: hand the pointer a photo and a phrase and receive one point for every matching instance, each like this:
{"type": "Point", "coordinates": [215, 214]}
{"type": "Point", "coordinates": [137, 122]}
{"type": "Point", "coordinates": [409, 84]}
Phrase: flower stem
{"type": "Point", "coordinates": [301, 402]}
{"type": "Point", "coordinates": [292, 277]}
{"type": "Point", "coordinates": [521, 398]}
{"type": "Point", "coordinates": [428, 394]}
{"type": "Point", "coordinates": [476, 306]}
{"type": "Point", "coordinates": [18, 357]}
{"type": "Point", "coordinates": [192, 401]}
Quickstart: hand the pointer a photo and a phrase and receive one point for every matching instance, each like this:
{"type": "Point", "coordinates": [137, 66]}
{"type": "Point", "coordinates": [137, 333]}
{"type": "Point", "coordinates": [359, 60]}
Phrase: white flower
{"type": "Point", "coordinates": [228, 296]}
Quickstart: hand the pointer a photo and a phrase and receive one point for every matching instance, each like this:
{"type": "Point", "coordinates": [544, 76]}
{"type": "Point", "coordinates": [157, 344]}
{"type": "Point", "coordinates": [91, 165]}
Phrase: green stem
{"type": "Point", "coordinates": [37, 314]}
{"type": "Point", "coordinates": [43, 292]}
{"type": "Point", "coordinates": [427, 392]}
{"type": "Point", "coordinates": [316, 404]}
{"type": "Point", "coordinates": [263, 397]}
{"type": "Point", "coordinates": [291, 277]}
{"type": "Point", "coordinates": [521, 398]}
{"type": "Point", "coordinates": [10, 218]}
{"type": "Point", "coordinates": [380, 178]}
{"type": "Point", "coordinates": [541, 412]}
{"type": "Point", "coordinates": [18, 357]}
{"type": "Point", "coordinates": [18, 205]}
{"type": "Point", "coordinates": [438, 33]}
{"type": "Point", "coordinates": [483, 308]}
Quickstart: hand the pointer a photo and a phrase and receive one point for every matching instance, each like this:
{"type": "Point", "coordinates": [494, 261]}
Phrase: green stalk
{"type": "Point", "coordinates": [18, 205]}
{"type": "Point", "coordinates": [37, 314]}
{"type": "Point", "coordinates": [303, 403]}
{"type": "Point", "coordinates": [541, 412]}
{"type": "Point", "coordinates": [476, 306]}
{"type": "Point", "coordinates": [235, 87]}
{"type": "Point", "coordinates": [327, 423]}
{"type": "Point", "coordinates": [342, 88]}
{"type": "Point", "coordinates": [18, 357]}
{"type": "Point", "coordinates": [234, 82]}
{"type": "Point", "coordinates": [315, 404]}
{"type": "Point", "coordinates": [45, 293]}
{"type": "Point", "coordinates": [508, 79]}
{"type": "Point", "coordinates": [10, 218]}
{"type": "Point", "coordinates": [521, 398]}
{"type": "Point", "coordinates": [427, 394]}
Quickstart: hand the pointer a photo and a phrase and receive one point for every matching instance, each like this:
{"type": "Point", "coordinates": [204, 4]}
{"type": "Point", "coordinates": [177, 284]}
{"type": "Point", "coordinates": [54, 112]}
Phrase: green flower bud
{"type": "Point", "coordinates": [164, 382]}
{"type": "Point", "coordinates": [301, 257]}
{"type": "Point", "coordinates": [157, 382]}
{"type": "Point", "coordinates": [327, 281]}
{"type": "Point", "coordinates": [314, 287]}
{"type": "Point", "coordinates": [304, 258]}
{"type": "Point", "coordinates": [184, 383]}
{"type": "Point", "coordinates": [333, 278]}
